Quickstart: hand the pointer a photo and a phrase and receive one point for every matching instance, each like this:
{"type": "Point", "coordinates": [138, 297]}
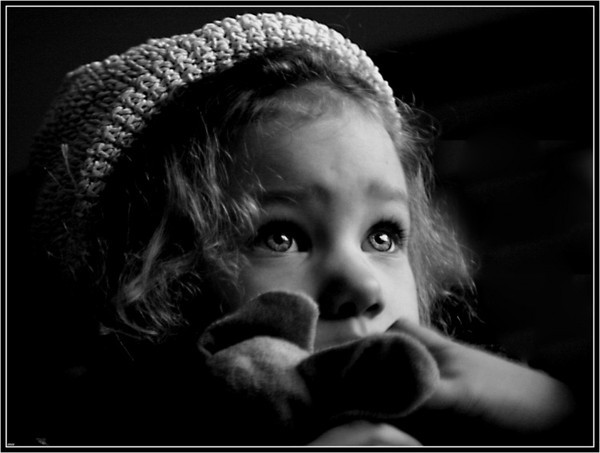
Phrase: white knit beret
{"type": "Point", "coordinates": [103, 106]}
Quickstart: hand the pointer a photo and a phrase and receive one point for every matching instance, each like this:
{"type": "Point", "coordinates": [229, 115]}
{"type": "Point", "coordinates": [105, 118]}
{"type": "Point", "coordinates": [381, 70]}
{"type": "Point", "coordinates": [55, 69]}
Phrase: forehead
{"type": "Point", "coordinates": [309, 101]}
{"type": "Point", "coordinates": [342, 149]}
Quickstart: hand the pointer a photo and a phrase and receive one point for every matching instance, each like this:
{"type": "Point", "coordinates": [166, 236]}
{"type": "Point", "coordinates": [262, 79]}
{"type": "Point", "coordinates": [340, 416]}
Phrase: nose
{"type": "Point", "coordinates": [349, 288]}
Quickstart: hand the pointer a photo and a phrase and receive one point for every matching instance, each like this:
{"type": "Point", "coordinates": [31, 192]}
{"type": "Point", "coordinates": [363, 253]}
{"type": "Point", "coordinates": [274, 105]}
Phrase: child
{"type": "Point", "coordinates": [189, 175]}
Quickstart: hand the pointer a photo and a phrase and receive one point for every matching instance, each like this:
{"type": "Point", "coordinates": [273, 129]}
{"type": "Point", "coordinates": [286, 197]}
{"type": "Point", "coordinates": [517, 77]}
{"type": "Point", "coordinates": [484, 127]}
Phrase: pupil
{"type": "Point", "coordinates": [381, 242]}
{"type": "Point", "coordinates": [279, 242]}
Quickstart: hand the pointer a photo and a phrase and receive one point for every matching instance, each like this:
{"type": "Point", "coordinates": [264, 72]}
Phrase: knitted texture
{"type": "Point", "coordinates": [103, 106]}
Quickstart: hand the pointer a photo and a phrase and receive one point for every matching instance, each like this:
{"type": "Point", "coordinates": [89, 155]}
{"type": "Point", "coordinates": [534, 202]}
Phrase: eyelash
{"type": "Point", "coordinates": [296, 234]}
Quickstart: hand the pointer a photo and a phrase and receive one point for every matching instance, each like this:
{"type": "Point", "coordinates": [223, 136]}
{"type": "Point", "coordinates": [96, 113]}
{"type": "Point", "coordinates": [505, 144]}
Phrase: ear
{"type": "Point", "coordinates": [279, 314]}
{"type": "Point", "coordinates": [381, 377]}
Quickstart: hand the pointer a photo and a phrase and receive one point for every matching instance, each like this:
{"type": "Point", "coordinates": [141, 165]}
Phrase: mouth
{"type": "Point", "coordinates": [337, 341]}
{"type": "Point", "coordinates": [395, 327]}
{"type": "Point", "coordinates": [336, 333]}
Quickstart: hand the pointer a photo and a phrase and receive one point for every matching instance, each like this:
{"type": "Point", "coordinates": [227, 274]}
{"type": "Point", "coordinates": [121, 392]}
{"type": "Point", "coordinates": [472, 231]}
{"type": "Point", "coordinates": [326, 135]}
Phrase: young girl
{"type": "Point", "coordinates": [189, 175]}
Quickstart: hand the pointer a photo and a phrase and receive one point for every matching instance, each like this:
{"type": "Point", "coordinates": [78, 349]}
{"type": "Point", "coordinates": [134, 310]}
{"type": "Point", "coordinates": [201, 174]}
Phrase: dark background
{"type": "Point", "coordinates": [513, 89]}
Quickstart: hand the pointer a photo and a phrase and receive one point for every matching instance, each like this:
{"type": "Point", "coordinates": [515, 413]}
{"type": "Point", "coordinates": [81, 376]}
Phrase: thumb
{"type": "Point", "coordinates": [440, 348]}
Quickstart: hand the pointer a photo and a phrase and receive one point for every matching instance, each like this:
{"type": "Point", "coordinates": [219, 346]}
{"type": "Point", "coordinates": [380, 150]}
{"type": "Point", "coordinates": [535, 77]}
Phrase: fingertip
{"type": "Point", "coordinates": [400, 438]}
{"type": "Point", "coordinates": [365, 433]}
{"type": "Point", "coordinates": [428, 335]}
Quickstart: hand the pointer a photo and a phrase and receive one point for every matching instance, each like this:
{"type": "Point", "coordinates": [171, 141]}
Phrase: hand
{"type": "Point", "coordinates": [360, 433]}
{"type": "Point", "coordinates": [497, 395]}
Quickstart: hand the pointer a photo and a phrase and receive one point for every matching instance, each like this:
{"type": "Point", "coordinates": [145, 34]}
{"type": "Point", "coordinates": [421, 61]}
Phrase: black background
{"type": "Point", "coordinates": [513, 89]}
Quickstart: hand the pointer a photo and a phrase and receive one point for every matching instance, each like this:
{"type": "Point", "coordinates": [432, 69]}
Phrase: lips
{"type": "Point", "coordinates": [332, 342]}
{"type": "Point", "coordinates": [335, 333]}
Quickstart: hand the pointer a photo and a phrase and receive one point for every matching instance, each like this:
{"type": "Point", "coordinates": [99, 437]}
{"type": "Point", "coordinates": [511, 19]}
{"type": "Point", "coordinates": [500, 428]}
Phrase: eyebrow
{"type": "Point", "coordinates": [299, 194]}
{"type": "Point", "coordinates": [387, 193]}
{"type": "Point", "coordinates": [288, 195]}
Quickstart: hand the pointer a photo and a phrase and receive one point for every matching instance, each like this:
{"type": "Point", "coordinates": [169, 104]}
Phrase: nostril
{"type": "Point", "coordinates": [351, 309]}
{"type": "Point", "coordinates": [347, 310]}
{"type": "Point", "coordinates": [374, 309]}
{"type": "Point", "coordinates": [343, 297]}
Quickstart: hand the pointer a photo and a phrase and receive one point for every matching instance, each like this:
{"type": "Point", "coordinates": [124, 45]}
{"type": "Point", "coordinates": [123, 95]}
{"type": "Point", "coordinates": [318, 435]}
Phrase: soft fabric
{"type": "Point", "coordinates": [272, 389]}
{"type": "Point", "coordinates": [251, 359]}
{"type": "Point", "coordinates": [103, 106]}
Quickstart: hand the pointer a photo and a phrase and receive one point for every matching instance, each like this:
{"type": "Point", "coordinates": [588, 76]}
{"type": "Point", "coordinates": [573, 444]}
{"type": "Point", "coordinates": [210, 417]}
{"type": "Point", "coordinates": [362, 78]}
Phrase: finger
{"type": "Point", "coordinates": [428, 336]}
{"type": "Point", "coordinates": [361, 433]}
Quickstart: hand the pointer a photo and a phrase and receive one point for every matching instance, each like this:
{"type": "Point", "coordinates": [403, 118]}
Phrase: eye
{"type": "Point", "coordinates": [280, 237]}
{"type": "Point", "coordinates": [280, 242]}
{"type": "Point", "coordinates": [386, 237]}
{"type": "Point", "coordinates": [382, 242]}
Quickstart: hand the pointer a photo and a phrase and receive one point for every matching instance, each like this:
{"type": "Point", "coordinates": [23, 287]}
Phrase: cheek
{"type": "Point", "coordinates": [399, 292]}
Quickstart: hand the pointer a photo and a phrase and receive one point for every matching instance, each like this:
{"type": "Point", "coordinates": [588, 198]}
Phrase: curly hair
{"type": "Point", "coordinates": [177, 208]}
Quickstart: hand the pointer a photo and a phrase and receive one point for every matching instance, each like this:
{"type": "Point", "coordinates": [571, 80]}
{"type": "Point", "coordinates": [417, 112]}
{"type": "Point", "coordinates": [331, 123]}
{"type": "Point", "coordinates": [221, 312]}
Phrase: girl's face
{"type": "Point", "coordinates": [335, 223]}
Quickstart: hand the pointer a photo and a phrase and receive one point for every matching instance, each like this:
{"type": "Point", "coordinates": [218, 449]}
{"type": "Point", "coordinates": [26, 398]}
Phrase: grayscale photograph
{"type": "Point", "coordinates": [300, 226]}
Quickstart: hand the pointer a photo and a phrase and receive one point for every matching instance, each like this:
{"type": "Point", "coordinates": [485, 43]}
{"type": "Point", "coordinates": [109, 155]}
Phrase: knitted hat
{"type": "Point", "coordinates": [103, 106]}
